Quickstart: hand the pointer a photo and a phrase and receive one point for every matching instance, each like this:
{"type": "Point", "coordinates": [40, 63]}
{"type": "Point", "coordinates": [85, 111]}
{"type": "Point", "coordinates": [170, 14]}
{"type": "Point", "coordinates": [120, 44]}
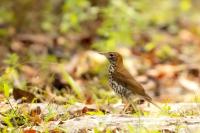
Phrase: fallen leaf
{"type": "Point", "coordinates": [55, 131]}
{"type": "Point", "coordinates": [36, 111]}
{"type": "Point", "coordinates": [29, 71]}
{"type": "Point", "coordinates": [36, 119]}
{"type": "Point", "coordinates": [188, 84]}
{"type": "Point", "coordinates": [30, 131]}
{"type": "Point", "coordinates": [25, 96]}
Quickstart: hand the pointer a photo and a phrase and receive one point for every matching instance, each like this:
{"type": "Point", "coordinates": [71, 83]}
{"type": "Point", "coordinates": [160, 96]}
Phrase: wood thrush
{"type": "Point", "coordinates": [122, 81]}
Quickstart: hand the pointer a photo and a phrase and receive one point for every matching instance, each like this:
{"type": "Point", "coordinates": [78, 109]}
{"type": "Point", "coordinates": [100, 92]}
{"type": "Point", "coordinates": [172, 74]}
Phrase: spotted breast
{"type": "Point", "coordinates": [118, 88]}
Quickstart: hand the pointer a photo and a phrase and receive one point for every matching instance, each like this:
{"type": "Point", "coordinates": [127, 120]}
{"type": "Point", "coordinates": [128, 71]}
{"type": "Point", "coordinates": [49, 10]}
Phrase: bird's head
{"type": "Point", "coordinates": [113, 57]}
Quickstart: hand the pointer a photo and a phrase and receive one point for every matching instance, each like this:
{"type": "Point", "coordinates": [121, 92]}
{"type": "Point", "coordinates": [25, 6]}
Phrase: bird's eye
{"type": "Point", "coordinates": [111, 55]}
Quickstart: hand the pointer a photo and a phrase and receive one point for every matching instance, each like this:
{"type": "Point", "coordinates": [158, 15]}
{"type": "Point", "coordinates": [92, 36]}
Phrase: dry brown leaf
{"type": "Point", "coordinates": [36, 119]}
{"type": "Point", "coordinates": [25, 96]}
{"type": "Point", "coordinates": [89, 99]}
{"type": "Point", "coordinates": [31, 38]}
{"type": "Point", "coordinates": [55, 131]}
{"type": "Point", "coordinates": [29, 71]}
{"type": "Point", "coordinates": [166, 70]}
{"type": "Point", "coordinates": [36, 111]}
{"type": "Point", "coordinates": [30, 131]}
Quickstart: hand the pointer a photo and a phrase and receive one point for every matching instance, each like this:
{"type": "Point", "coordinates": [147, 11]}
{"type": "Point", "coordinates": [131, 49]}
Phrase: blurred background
{"type": "Point", "coordinates": [50, 48]}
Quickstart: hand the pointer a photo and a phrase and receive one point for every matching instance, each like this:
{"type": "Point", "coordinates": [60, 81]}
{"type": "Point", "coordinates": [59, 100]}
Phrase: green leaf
{"type": "Point", "coordinates": [185, 5]}
{"type": "Point", "coordinates": [12, 60]}
{"type": "Point", "coordinates": [72, 83]}
{"type": "Point", "coordinates": [95, 113]}
{"type": "Point", "coordinates": [150, 46]}
{"type": "Point", "coordinates": [6, 89]}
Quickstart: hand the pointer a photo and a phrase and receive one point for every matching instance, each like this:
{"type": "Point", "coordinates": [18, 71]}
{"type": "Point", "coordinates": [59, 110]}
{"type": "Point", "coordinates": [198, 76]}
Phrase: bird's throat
{"type": "Point", "coordinates": [111, 68]}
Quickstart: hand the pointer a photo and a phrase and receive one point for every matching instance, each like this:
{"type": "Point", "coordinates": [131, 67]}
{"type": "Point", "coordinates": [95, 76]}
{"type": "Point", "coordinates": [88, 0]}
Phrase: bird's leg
{"type": "Point", "coordinates": [125, 106]}
{"type": "Point", "coordinates": [138, 113]}
{"type": "Point", "coordinates": [136, 109]}
{"type": "Point", "coordinates": [134, 106]}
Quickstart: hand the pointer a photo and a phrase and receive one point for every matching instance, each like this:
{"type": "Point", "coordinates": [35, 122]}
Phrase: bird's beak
{"type": "Point", "coordinates": [102, 53]}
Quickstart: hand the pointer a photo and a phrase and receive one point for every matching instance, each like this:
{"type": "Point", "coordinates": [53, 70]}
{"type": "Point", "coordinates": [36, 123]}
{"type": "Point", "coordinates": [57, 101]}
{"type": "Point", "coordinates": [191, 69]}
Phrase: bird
{"type": "Point", "coordinates": [123, 83]}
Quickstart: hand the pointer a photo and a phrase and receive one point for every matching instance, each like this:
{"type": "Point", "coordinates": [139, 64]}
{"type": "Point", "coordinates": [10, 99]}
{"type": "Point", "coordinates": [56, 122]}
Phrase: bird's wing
{"type": "Point", "coordinates": [125, 78]}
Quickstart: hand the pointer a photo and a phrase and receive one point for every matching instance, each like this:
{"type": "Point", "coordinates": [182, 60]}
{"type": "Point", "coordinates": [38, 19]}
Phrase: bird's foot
{"type": "Point", "coordinates": [126, 109]}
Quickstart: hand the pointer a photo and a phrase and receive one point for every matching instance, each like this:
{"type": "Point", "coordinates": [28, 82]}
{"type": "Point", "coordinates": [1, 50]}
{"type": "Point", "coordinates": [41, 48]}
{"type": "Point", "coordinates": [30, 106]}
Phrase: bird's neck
{"type": "Point", "coordinates": [112, 68]}
{"type": "Point", "coordinates": [115, 66]}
